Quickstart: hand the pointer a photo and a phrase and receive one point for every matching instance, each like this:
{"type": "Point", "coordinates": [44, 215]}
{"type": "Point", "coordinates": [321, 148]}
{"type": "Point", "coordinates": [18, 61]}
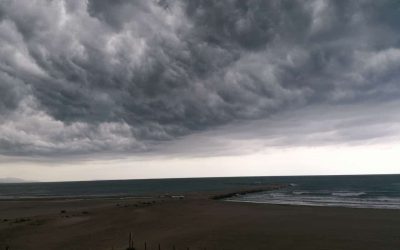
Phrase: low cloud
{"type": "Point", "coordinates": [83, 77]}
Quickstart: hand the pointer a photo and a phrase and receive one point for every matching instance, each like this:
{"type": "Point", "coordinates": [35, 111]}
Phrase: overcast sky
{"type": "Point", "coordinates": [109, 89]}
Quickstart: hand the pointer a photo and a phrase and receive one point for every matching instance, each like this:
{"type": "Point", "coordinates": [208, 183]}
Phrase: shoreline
{"type": "Point", "coordinates": [213, 195]}
{"type": "Point", "coordinates": [217, 194]}
{"type": "Point", "coordinates": [316, 206]}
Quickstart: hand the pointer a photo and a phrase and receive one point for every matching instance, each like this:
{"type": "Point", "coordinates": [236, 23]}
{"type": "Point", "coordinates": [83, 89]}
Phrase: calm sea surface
{"type": "Point", "coordinates": [373, 191]}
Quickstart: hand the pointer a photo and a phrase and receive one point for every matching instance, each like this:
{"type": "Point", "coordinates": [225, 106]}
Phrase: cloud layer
{"type": "Point", "coordinates": [80, 77]}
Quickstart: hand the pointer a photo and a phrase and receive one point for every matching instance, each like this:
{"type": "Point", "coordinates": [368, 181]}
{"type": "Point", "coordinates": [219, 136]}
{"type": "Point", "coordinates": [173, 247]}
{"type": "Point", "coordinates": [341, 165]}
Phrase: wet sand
{"type": "Point", "coordinates": [196, 221]}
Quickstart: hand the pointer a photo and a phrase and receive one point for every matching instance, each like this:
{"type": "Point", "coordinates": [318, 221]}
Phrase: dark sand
{"type": "Point", "coordinates": [196, 222]}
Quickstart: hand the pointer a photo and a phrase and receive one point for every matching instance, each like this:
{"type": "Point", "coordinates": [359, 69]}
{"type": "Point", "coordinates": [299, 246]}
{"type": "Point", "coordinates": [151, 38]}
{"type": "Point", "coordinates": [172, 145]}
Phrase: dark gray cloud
{"type": "Point", "coordinates": [122, 76]}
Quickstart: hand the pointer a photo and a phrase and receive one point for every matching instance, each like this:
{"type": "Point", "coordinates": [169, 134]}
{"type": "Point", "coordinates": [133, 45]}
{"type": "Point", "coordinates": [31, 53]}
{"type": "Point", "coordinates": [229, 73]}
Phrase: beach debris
{"type": "Point", "coordinates": [131, 245]}
{"type": "Point", "coordinates": [37, 222]}
{"type": "Point", "coordinates": [21, 220]}
{"type": "Point", "coordinates": [63, 211]}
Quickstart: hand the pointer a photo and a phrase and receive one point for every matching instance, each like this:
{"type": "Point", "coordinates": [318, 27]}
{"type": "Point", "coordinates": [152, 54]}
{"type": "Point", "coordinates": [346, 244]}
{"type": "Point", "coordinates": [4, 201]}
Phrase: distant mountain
{"type": "Point", "coordinates": [13, 180]}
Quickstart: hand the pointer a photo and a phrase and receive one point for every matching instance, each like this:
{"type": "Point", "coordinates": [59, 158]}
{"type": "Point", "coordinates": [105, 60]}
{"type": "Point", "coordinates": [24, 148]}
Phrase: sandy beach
{"type": "Point", "coordinates": [195, 221]}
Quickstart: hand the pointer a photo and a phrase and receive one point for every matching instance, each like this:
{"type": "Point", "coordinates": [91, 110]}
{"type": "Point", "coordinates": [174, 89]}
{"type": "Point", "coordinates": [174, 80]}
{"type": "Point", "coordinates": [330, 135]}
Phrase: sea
{"type": "Point", "coordinates": [354, 191]}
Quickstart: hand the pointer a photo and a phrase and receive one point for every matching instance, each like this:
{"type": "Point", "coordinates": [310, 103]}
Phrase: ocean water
{"type": "Point", "coordinates": [374, 191]}
{"type": "Point", "coordinates": [370, 191]}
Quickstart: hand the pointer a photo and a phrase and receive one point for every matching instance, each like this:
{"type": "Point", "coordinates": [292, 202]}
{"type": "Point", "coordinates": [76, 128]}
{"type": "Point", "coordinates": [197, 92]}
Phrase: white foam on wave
{"type": "Point", "coordinates": [348, 194]}
{"type": "Point", "coordinates": [345, 199]}
{"type": "Point", "coordinates": [300, 192]}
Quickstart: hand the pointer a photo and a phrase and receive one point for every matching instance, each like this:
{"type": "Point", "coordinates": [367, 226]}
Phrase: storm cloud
{"type": "Point", "coordinates": [81, 77]}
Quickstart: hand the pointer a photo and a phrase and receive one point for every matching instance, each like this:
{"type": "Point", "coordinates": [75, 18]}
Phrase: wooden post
{"type": "Point", "coordinates": [130, 245]}
{"type": "Point", "coordinates": [159, 246]}
{"type": "Point", "coordinates": [145, 246]}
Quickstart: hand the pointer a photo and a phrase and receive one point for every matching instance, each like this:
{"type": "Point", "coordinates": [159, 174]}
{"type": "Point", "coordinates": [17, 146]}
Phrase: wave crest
{"type": "Point", "coordinates": [348, 194]}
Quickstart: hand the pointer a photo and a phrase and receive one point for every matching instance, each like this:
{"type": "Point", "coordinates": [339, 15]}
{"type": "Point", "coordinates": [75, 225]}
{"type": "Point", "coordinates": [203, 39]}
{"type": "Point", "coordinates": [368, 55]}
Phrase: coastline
{"type": "Point", "coordinates": [195, 220]}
